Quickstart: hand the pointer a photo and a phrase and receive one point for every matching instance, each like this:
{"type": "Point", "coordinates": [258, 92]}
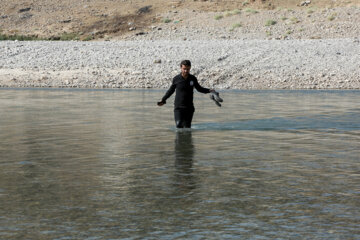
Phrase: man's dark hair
{"type": "Point", "coordinates": [185, 63]}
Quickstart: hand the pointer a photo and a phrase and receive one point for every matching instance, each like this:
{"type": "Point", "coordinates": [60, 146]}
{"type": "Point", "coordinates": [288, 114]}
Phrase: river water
{"type": "Point", "coordinates": [109, 164]}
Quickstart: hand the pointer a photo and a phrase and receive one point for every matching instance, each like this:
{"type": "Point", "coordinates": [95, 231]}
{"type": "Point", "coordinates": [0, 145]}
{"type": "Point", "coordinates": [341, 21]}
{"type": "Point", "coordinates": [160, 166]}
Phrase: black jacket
{"type": "Point", "coordinates": [184, 91]}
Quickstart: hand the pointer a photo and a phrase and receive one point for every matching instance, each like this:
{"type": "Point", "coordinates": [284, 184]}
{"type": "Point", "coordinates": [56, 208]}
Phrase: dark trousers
{"type": "Point", "coordinates": [183, 117]}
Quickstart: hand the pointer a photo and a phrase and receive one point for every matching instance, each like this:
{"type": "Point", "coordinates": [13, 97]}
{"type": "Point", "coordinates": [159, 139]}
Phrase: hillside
{"type": "Point", "coordinates": [201, 19]}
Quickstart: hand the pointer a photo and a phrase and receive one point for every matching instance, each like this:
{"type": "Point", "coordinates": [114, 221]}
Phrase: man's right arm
{"type": "Point", "coordinates": [168, 94]}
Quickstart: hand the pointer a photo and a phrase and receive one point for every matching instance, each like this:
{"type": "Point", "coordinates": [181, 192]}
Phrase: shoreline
{"type": "Point", "coordinates": [163, 90]}
{"type": "Point", "coordinates": [220, 64]}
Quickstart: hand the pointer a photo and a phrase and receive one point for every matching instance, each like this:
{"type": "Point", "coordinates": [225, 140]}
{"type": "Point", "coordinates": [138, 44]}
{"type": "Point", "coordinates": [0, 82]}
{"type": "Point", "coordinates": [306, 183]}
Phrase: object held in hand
{"type": "Point", "coordinates": [216, 98]}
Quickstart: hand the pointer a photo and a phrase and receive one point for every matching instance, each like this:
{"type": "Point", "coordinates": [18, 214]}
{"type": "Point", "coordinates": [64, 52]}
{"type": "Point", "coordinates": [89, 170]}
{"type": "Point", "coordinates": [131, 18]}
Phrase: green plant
{"type": "Point", "coordinates": [294, 20]}
{"type": "Point", "coordinates": [310, 11]}
{"type": "Point", "coordinates": [227, 14]}
{"type": "Point", "coordinates": [332, 17]}
{"type": "Point", "coordinates": [4, 37]}
{"type": "Point", "coordinates": [268, 33]}
{"type": "Point", "coordinates": [236, 11]}
{"type": "Point", "coordinates": [250, 10]}
{"type": "Point", "coordinates": [245, 3]}
{"type": "Point", "coordinates": [88, 38]}
{"type": "Point", "coordinates": [69, 36]}
{"type": "Point", "coordinates": [234, 26]}
{"type": "Point", "coordinates": [218, 17]}
{"type": "Point", "coordinates": [231, 13]}
{"type": "Point", "coordinates": [284, 18]}
{"type": "Point", "coordinates": [270, 22]}
{"type": "Point", "coordinates": [166, 20]}
{"type": "Point", "coordinates": [288, 32]}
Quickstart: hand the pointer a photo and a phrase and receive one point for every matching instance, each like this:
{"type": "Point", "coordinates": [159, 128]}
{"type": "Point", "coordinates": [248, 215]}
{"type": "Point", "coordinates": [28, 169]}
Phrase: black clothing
{"type": "Point", "coordinates": [183, 117]}
{"type": "Point", "coordinates": [184, 91]}
{"type": "Point", "coordinates": [183, 105]}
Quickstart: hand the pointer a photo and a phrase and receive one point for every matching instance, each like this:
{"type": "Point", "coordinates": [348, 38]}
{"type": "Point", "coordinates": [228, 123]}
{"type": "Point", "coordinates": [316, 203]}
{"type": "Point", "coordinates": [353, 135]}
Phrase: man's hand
{"type": "Point", "coordinates": [160, 103]}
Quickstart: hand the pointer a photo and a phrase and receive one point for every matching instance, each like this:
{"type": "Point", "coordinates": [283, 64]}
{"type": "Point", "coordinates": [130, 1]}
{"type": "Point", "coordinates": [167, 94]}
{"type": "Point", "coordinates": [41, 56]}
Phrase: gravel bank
{"type": "Point", "coordinates": [220, 64]}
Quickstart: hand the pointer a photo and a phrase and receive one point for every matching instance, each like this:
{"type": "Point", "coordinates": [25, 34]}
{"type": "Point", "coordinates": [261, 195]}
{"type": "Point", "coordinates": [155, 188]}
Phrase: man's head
{"type": "Point", "coordinates": [185, 66]}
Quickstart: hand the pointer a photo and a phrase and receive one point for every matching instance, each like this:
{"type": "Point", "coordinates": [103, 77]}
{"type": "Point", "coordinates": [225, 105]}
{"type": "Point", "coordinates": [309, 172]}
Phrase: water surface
{"type": "Point", "coordinates": [109, 164]}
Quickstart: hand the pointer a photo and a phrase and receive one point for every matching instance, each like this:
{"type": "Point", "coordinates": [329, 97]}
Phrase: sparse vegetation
{"type": "Point", "coordinates": [231, 13]}
{"type": "Point", "coordinates": [4, 37]}
{"type": "Point", "coordinates": [69, 36]}
{"type": "Point", "coordinates": [250, 10]}
{"type": "Point", "coordinates": [288, 32]}
{"type": "Point", "coordinates": [310, 11]}
{"type": "Point", "coordinates": [294, 20]}
{"type": "Point", "coordinates": [236, 11]}
{"type": "Point", "coordinates": [115, 22]}
{"type": "Point", "coordinates": [332, 17]}
{"type": "Point", "coordinates": [89, 38]}
{"type": "Point", "coordinates": [227, 14]}
{"type": "Point", "coordinates": [270, 23]}
{"type": "Point", "coordinates": [166, 20]}
{"type": "Point", "coordinates": [268, 33]}
{"type": "Point", "coordinates": [64, 37]}
{"type": "Point", "coordinates": [234, 26]}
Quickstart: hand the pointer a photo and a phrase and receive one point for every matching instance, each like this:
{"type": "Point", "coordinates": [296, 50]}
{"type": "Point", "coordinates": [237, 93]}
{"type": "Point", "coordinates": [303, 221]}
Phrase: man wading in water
{"type": "Point", "coordinates": [184, 84]}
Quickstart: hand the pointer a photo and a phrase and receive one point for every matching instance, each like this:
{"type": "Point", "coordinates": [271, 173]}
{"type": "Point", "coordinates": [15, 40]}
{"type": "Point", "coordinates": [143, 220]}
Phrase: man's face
{"type": "Point", "coordinates": [185, 70]}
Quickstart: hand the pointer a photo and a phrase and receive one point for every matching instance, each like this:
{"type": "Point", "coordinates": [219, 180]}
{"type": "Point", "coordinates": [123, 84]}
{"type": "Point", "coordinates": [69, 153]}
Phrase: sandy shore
{"type": "Point", "coordinates": [220, 64]}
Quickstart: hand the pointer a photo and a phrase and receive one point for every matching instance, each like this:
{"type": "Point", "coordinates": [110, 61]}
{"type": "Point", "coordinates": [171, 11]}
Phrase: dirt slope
{"type": "Point", "coordinates": [117, 19]}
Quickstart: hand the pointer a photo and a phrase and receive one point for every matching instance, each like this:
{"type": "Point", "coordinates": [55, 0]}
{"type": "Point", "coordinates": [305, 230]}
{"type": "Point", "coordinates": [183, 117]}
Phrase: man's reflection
{"type": "Point", "coordinates": [184, 153]}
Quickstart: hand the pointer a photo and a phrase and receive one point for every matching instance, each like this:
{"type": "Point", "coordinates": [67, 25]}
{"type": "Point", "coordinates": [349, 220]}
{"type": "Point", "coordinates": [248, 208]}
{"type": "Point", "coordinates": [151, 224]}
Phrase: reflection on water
{"type": "Point", "coordinates": [184, 153]}
{"type": "Point", "coordinates": [82, 164]}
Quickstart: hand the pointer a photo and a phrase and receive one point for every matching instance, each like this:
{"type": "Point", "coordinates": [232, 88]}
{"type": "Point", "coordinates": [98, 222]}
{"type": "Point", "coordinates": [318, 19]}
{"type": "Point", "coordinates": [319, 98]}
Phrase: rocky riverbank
{"type": "Point", "coordinates": [220, 64]}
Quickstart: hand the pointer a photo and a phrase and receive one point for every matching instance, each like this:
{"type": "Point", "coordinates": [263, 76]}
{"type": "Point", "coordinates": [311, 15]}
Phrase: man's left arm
{"type": "Point", "coordinates": [200, 88]}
